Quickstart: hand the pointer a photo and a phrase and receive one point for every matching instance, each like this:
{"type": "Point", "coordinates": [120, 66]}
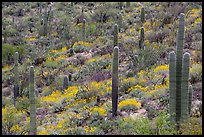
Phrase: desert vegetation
{"type": "Point", "coordinates": [102, 68]}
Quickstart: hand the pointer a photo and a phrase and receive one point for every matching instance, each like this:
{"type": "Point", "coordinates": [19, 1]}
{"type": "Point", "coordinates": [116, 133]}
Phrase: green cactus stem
{"type": "Point", "coordinates": [16, 78]}
{"type": "Point", "coordinates": [184, 86]}
{"type": "Point", "coordinates": [115, 40]}
{"type": "Point", "coordinates": [142, 15]}
{"type": "Point", "coordinates": [179, 54]}
{"type": "Point", "coordinates": [115, 81]}
{"type": "Point", "coordinates": [120, 22]}
{"type": "Point", "coordinates": [141, 41]}
{"type": "Point", "coordinates": [66, 82]}
{"type": "Point", "coordinates": [172, 85]}
{"type": "Point", "coordinates": [33, 125]}
{"type": "Point", "coordinates": [83, 29]}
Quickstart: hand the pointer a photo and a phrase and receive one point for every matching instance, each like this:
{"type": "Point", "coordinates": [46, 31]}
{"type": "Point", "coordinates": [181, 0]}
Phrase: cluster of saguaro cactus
{"type": "Point", "coordinates": [33, 124]}
{"type": "Point", "coordinates": [180, 92]}
{"type": "Point", "coordinates": [83, 29]}
{"type": "Point", "coordinates": [115, 81]}
{"type": "Point", "coordinates": [16, 78]}
{"type": "Point", "coordinates": [115, 34]}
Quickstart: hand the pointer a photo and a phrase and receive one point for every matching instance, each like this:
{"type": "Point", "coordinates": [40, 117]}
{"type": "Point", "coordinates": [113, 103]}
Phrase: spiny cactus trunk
{"type": "Point", "coordinates": [172, 85]}
{"type": "Point", "coordinates": [115, 82]}
{"type": "Point", "coordinates": [83, 30]}
{"type": "Point", "coordinates": [184, 87]}
{"type": "Point", "coordinates": [120, 20]}
{"type": "Point", "coordinates": [142, 15]}
{"type": "Point", "coordinates": [141, 42]}
{"type": "Point", "coordinates": [179, 45]}
{"type": "Point", "coordinates": [66, 83]}
{"type": "Point", "coordinates": [16, 78]}
{"type": "Point", "coordinates": [33, 125]}
{"type": "Point", "coordinates": [115, 40]}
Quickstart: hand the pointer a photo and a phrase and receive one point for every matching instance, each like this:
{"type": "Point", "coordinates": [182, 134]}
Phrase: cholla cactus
{"type": "Point", "coordinates": [33, 125]}
{"type": "Point", "coordinates": [16, 78]}
{"type": "Point", "coordinates": [115, 82]}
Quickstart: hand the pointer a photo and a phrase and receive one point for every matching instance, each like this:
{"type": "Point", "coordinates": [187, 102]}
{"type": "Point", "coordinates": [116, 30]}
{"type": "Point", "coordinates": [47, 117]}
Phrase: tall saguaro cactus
{"type": "Point", "coordinates": [16, 78]}
{"type": "Point", "coordinates": [180, 92]}
{"type": "Point", "coordinates": [115, 81]}
{"type": "Point", "coordinates": [142, 15]}
{"type": "Point", "coordinates": [141, 41]}
{"type": "Point", "coordinates": [83, 29]}
{"type": "Point", "coordinates": [33, 125]}
{"type": "Point", "coordinates": [115, 34]}
{"type": "Point", "coordinates": [66, 82]}
{"type": "Point", "coordinates": [190, 99]}
{"type": "Point", "coordinates": [120, 22]}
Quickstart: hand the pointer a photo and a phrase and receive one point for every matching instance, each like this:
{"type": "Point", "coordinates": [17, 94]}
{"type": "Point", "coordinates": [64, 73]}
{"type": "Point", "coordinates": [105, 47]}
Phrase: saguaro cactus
{"type": "Point", "coordinates": [66, 82]}
{"type": "Point", "coordinates": [115, 81]}
{"type": "Point", "coordinates": [83, 29]}
{"type": "Point", "coordinates": [16, 78]}
{"type": "Point", "coordinates": [141, 41]}
{"type": "Point", "coordinates": [120, 22]}
{"type": "Point", "coordinates": [142, 15]}
{"type": "Point", "coordinates": [115, 34]}
{"type": "Point", "coordinates": [33, 125]}
{"type": "Point", "coordinates": [178, 77]}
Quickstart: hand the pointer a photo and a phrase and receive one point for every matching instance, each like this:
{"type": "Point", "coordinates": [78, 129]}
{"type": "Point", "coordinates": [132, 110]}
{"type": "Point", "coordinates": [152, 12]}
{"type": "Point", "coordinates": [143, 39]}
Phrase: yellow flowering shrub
{"type": "Point", "coordinates": [131, 102]}
{"type": "Point", "coordinates": [161, 68]}
{"type": "Point", "coordinates": [6, 67]}
{"type": "Point", "coordinates": [57, 95]}
{"type": "Point", "coordinates": [89, 129]}
{"type": "Point", "coordinates": [86, 44]}
{"type": "Point", "coordinates": [100, 110]}
{"type": "Point", "coordinates": [136, 87]}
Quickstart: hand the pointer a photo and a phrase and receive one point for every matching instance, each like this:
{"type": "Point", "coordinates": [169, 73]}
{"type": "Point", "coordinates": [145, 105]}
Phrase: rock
{"type": "Point", "coordinates": [124, 114]}
{"type": "Point", "coordinates": [142, 111]}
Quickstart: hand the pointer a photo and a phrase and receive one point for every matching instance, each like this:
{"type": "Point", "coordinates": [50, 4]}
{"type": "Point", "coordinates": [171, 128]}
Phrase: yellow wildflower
{"type": "Point", "coordinates": [127, 102]}
{"type": "Point", "coordinates": [161, 68]}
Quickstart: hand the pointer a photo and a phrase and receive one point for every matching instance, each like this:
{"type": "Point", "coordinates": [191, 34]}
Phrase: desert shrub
{"type": "Point", "coordinates": [196, 73]}
{"type": "Point", "coordinates": [144, 59]}
{"type": "Point", "coordinates": [191, 126]}
{"type": "Point", "coordinates": [102, 14]}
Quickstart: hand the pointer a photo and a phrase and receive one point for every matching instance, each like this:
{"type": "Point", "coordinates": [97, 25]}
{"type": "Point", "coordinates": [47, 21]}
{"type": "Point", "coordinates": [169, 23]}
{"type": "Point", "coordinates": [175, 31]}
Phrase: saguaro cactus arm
{"type": "Point", "coordinates": [172, 85]}
{"type": "Point", "coordinates": [184, 86]}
